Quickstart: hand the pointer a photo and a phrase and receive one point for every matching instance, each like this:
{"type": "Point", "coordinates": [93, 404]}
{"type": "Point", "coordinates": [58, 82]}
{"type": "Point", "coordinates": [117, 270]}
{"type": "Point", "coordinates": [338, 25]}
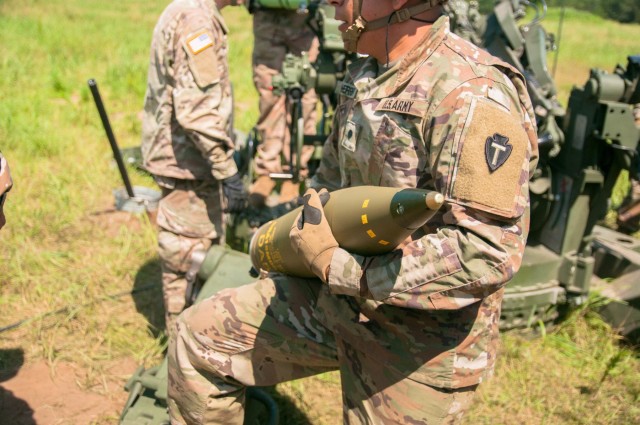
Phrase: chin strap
{"type": "Point", "coordinates": [360, 25]}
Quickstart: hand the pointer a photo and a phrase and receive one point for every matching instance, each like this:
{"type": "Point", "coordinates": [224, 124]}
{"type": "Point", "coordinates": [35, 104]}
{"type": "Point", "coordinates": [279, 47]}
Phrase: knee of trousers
{"type": "Point", "coordinates": [176, 251]}
{"type": "Point", "coordinates": [196, 387]}
{"type": "Point", "coordinates": [192, 355]}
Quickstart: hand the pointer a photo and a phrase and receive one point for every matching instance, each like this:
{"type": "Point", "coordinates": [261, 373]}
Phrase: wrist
{"type": "Point", "coordinates": [321, 265]}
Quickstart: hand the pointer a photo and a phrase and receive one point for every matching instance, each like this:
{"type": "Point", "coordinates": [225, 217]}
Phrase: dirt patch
{"type": "Point", "coordinates": [112, 220]}
{"type": "Point", "coordinates": [44, 395]}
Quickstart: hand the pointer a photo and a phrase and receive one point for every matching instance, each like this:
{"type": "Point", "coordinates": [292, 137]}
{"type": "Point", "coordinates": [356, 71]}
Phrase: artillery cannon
{"type": "Point", "coordinates": [583, 150]}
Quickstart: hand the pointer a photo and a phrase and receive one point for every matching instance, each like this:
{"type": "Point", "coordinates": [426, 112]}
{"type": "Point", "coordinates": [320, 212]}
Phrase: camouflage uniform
{"type": "Point", "coordinates": [5, 186]}
{"type": "Point", "coordinates": [635, 184]}
{"type": "Point", "coordinates": [465, 19]}
{"type": "Point", "coordinates": [278, 32]}
{"type": "Point", "coordinates": [186, 142]}
{"type": "Point", "coordinates": [626, 220]}
{"type": "Point", "coordinates": [413, 332]}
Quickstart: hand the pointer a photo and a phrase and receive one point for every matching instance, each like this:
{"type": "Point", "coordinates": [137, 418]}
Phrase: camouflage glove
{"type": "Point", "coordinates": [235, 193]}
{"type": "Point", "coordinates": [311, 236]}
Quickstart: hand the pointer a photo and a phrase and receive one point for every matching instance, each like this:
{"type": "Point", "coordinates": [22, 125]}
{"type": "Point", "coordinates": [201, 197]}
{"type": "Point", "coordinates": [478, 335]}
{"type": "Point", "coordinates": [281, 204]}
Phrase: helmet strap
{"type": "Point", "coordinates": [360, 25]}
{"type": "Point", "coordinates": [401, 15]}
{"type": "Point", "coordinates": [352, 34]}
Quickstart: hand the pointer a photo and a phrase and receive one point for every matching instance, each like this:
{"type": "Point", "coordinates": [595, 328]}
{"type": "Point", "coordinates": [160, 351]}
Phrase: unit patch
{"type": "Point", "coordinates": [496, 151]}
{"type": "Point", "coordinates": [202, 56]}
{"type": "Point", "coordinates": [199, 41]}
{"type": "Point", "coordinates": [491, 149]}
{"type": "Point", "coordinates": [403, 106]}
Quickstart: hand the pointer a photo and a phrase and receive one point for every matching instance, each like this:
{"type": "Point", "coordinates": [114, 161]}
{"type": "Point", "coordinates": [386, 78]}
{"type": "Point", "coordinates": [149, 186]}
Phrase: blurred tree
{"type": "Point", "coordinates": [625, 11]}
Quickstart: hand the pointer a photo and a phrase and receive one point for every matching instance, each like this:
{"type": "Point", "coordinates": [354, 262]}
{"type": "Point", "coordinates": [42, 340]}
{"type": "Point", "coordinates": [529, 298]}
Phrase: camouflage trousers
{"type": "Point", "coordinates": [282, 328]}
{"type": "Point", "coordinates": [190, 219]}
{"type": "Point", "coordinates": [276, 33]}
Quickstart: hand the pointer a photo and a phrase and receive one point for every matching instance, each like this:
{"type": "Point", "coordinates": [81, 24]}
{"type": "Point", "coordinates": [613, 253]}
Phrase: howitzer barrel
{"type": "Point", "coordinates": [365, 220]}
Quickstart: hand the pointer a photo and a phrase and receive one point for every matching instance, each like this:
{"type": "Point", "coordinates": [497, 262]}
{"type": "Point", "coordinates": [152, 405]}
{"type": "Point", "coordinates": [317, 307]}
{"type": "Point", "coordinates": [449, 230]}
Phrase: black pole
{"type": "Point", "coordinates": [295, 99]}
{"type": "Point", "coordinates": [93, 86]}
{"type": "Point", "coordinates": [555, 58]}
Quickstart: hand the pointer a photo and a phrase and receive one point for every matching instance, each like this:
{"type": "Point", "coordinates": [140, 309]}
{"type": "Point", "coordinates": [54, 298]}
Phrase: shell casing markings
{"type": "Point", "coordinates": [394, 214]}
{"type": "Point", "coordinates": [265, 245]}
{"type": "Point", "coordinates": [365, 220]}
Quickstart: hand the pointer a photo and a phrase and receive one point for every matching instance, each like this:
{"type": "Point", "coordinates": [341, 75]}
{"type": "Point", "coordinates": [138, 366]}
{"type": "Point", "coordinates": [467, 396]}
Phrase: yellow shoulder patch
{"type": "Point", "coordinates": [203, 60]}
{"type": "Point", "coordinates": [492, 151]}
{"type": "Point", "coordinates": [199, 41]}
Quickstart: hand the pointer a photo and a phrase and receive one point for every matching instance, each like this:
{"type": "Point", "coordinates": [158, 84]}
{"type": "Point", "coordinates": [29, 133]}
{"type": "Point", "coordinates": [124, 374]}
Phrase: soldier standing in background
{"type": "Point", "coordinates": [187, 138]}
{"type": "Point", "coordinates": [5, 186]}
{"type": "Point", "coordinates": [412, 332]}
{"type": "Point", "coordinates": [277, 32]}
{"type": "Point", "coordinates": [628, 219]}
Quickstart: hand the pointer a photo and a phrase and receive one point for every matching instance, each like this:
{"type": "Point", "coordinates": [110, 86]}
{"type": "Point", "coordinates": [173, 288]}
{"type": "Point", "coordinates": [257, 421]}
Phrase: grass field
{"type": "Point", "coordinates": [65, 250]}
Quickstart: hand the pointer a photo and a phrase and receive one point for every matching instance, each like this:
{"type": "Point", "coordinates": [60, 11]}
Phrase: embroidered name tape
{"type": "Point", "coordinates": [403, 106]}
{"type": "Point", "coordinates": [347, 90]}
{"type": "Point", "coordinates": [199, 41]}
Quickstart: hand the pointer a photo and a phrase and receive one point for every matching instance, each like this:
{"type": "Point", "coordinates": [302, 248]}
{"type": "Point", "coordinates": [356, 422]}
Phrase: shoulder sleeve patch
{"type": "Point", "coordinates": [403, 106]}
{"type": "Point", "coordinates": [203, 60]}
{"type": "Point", "coordinates": [492, 163]}
{"type": "Point", "coordinates": [199, 41]}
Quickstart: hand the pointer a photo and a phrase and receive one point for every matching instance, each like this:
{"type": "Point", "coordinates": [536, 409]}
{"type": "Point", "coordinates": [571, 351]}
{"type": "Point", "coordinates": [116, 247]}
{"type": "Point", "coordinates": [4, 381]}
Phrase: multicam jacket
{"type": "Point", "coordinates": [452, 118]}
{"type": "Point", "coordinates": [186, 130]}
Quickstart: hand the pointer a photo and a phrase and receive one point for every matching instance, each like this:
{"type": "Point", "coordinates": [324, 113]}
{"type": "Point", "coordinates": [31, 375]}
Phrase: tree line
{"type": "Point", "coordinates": [625, 11]}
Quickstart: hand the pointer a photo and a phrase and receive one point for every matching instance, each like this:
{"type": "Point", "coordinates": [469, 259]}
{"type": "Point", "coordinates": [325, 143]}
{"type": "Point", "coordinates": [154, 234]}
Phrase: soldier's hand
{"type": "Point", "coordinates": [235, 193]}
{"type": "Point", "coordinates": [311, 236]}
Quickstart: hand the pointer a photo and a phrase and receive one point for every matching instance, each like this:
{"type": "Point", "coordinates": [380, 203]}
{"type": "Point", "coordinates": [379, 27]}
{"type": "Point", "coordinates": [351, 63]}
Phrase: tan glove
{"type": "Point", "coordinates": [311, 236]}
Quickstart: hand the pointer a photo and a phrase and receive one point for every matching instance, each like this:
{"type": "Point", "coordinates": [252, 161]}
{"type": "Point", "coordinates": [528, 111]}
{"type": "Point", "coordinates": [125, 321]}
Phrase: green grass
{"type": "Point", "coordinates": [64, 247]}
{"type": "Point", "coordinates": [587, 41]}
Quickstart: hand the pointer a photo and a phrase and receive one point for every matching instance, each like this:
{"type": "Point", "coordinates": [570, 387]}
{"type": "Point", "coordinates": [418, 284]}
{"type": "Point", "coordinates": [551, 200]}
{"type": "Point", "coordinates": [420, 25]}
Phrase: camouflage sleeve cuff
{"type": "Point", "coordinates": [345, 274]}
{"type": "Point", "coordinates": [223, 168]}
